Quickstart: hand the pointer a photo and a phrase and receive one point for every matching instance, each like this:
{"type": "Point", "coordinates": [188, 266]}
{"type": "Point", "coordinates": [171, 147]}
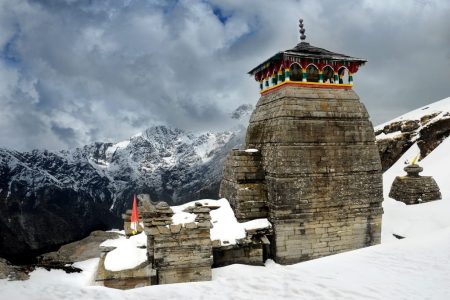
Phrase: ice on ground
{"type": "Point", "coordinates": [226, 227]}
{"type": "Point", "coordinates": [129, 253]}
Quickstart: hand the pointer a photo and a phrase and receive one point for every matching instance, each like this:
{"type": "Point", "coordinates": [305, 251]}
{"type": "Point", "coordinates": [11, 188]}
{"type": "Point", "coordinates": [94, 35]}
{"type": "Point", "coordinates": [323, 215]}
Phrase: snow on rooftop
{"type": "Point", "coordinates": [129, 253]}
{"type": "Point", "coordinates": [226, 227]}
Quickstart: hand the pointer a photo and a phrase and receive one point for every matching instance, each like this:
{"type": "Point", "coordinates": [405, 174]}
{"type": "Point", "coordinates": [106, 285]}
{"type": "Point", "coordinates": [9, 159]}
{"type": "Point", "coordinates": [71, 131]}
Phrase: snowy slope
{"type": "Point", "coordinates": [411, 220]}
{"type": "Point", "coordinates": [417, 267]}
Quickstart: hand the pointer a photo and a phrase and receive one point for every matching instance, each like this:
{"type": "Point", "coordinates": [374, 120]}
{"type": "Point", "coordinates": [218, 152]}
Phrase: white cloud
{"type": "Point", "coordinates": [107, 69]}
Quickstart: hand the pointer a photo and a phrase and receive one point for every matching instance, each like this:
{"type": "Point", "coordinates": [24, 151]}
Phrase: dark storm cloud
{"type": "Point", "coordinates": [81, 71]}
{"type": "Point", "coordinates": [66, 134]}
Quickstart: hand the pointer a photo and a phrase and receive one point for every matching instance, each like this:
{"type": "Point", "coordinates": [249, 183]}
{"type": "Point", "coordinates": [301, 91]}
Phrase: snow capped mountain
{"type": "Point", "coordinates": [88, 188]}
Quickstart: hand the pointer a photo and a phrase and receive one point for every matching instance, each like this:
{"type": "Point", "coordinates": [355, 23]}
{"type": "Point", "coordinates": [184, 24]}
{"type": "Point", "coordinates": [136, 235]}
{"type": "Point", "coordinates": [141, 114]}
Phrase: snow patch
{"type": "Point", "coordinates": [226, 227]}
{"type": "Point", "coordinates": [112, 149]}
{"type": "Point", "coordinates": [251, 150]}
{"type": "Point", "coordinates": [129, 253]}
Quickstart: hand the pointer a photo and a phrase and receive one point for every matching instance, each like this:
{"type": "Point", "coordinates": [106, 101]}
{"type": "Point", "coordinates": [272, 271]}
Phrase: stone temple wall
{"type": "Point", "coordinates": [243, 185]}
{"type": "Point", "coordinates": [178, 253]}
{"type": "Point", "coordinates": [322, 171]}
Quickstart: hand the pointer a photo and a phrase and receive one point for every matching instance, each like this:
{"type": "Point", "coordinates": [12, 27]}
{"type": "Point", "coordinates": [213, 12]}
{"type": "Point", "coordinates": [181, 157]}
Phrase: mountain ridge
{"type": "Point", "coordinates": [65, 195]}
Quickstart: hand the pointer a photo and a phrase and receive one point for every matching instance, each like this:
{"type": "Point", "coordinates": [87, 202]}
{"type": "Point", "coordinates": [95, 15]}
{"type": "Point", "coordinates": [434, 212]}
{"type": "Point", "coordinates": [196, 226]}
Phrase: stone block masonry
{"type": "Point", "coordinates": [413, 188]}
{"type": "Point", "coordinates": [322, 183]}
{"type": "Point", "coordinates": [243, 185]}
{"type": "Point", "coordinates": [178, 253]}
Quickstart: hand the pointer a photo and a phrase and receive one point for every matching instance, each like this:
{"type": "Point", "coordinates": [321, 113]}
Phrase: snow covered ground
{"type": "Point", "coordinates": [417, 267]}
{"type": "Point", "coordinates": [226, 227]}
{"type": "Point", "coordinates": [413, 268]}
{"type": "Point", "coordinates": [418, 220]}
{"type": "Point", "coordinates": [129, 253]}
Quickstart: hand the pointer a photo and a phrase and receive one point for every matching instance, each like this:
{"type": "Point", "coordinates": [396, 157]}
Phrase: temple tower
{"type": "Point", "coordinates": [321, 171]}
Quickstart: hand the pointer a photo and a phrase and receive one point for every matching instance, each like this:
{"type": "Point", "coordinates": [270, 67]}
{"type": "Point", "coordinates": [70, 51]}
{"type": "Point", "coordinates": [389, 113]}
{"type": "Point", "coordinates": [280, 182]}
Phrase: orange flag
{"type": "Point", "coordinates": [134, 217]}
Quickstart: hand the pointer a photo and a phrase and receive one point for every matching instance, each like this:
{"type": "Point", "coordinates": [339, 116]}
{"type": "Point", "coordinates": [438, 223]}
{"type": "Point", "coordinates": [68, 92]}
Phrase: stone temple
{"type": "Point", "coordinates": [307, 184]}
{"type": "Point", "coordinates": [311, 165]}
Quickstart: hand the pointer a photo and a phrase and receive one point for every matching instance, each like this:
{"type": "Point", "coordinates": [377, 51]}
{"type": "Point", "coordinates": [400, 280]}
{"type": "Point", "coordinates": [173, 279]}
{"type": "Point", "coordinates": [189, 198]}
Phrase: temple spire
{"type": "Point", "coordinates": [302, 30]}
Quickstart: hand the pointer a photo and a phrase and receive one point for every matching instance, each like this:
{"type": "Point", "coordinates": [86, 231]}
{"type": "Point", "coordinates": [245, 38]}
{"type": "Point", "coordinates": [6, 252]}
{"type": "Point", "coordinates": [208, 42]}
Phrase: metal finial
{"type": "Point", "coordinates": [302, 30]}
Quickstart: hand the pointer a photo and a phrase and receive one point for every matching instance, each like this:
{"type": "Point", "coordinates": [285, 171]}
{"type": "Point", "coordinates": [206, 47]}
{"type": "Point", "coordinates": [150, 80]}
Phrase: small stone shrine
{"type": "Point", "coordinates": [413, 188]}
{"type": "Point", "coordinates": [182, 252]}
{"type": "Point", "coordinates": [312, 166]}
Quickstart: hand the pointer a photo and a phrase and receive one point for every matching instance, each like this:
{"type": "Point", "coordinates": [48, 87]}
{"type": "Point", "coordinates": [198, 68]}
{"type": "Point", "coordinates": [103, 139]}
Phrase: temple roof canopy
{"type": "Point", "coordinates": [306, 65]}
{"type": "Point", "coordinates": [306, 51]}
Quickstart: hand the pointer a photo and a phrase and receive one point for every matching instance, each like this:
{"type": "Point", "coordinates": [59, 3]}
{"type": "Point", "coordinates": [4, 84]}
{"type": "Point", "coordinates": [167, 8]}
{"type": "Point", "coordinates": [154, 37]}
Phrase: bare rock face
{"type": "Point", "coordinates": [10, 272]}
{"type": "Point", "coordinates": [432, 135]}
{"type": "Point", "coordinates": [395, 138]}
{"type": "Point", "coordinates": [322, 171]}
{"type": "Point", "coordinates": [84, 249]}
{"type": "Point", "coordinates": [391, 149]}
{"type": "Point", "coordinates": [243, 184]}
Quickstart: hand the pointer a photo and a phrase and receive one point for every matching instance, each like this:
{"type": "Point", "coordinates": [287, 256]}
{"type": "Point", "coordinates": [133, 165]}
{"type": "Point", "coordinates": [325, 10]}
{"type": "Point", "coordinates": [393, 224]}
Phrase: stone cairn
{"type": "Point", "coordinates": [178, 253]}
{"type": "Point", "coordinates": [413, 188]}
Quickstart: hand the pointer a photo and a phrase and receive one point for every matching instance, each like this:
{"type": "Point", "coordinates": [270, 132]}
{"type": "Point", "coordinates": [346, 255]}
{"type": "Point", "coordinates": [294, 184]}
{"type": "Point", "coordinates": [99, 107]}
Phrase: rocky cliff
{"type": "Point", "coordinates": [427, 126]}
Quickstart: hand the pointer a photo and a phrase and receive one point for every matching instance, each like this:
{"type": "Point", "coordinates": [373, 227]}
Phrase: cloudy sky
{"type": "Point", "coordinates": [73, 72]}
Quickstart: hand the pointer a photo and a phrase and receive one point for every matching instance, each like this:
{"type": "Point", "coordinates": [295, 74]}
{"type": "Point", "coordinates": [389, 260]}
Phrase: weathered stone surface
{"type": "Point", "coordinates": [252, 253]}
{"type": "Point", "coordinates": [428, 132]}
{"type": "Point", "coordinates": [432, 135]}
{"type": "Point", "coordinates": [413, 188]}
{"type": "Point", "coordinates": [84, 249]}
{"type": "Point", "coordinates": [10, 272]}
{"type": "Point", "coordinates": [391, 149]}
{"type": "Point", "coordinates": [142, 275]}
{"type": "Point", "coordinates": [179, 253]}
{"type": "Point", "coordinates": [172, 275]}
{"type": "Point", "coordinates": [243, 185]}
{"type": "Point", "coordinates": [322, 181]}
